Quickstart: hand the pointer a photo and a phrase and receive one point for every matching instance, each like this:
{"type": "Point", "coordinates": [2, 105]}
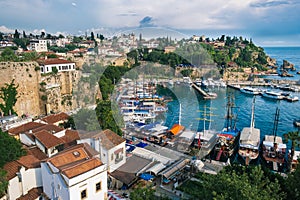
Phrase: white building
{"type": "Point", "coordinates": [24, 178]}
{"type": "Point", "coordinates": [38, 45]}
{"type": "Point", "coordinates": [110, 145]}
{"type": "Point", "coordinates": [76, 173]}
{"type": "Point", "coordinates": [48, 65]}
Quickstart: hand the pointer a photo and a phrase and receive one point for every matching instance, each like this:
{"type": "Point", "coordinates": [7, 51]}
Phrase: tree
{"type": "Point", "coordinates": [294, 137]}
{"type": "Point", "coordinates": [8, 55]}
{"type": "Point", "coordinates": [61, 36]}
{"type": "Point", "coordinates": [17, 34]}
{"type": "Point", "coordinates": [92, 36]}
{"type": "Point", "coordinates": [24, 34]}
{"type": "Point", "coordinates": [235, 182]}
{"type": "Point", "coordinates": [8, 94]}
{"type": "Point", "coordinates": [3, 182]}
{"type": "Point", "coordinates": [142, 193]}
{"type": "Point", "coordinates": [1, 36]}
{"type": "Point", "coordinates": [292, 184]}
{"type": "Point", "coordinates": [11, 149]}
{"type": "Point", "coordinates": [86, 119]}
{"type": "Point", "coordinates": [43, 34]}
{"type": "Point", "coordinates": [109, 117]}
{"type": "Point", "coordinates": [101, 37]}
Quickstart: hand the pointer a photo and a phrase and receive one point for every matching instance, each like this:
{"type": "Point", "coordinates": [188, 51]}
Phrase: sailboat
{"type": "Point", "coordinates": [249, 141]}
{"type": "Point", "coordinates": [273, 149]}
{"type": "Point", "coordinates": [206, 139]}
{"type": "Point", "coordinates": [228, 138]}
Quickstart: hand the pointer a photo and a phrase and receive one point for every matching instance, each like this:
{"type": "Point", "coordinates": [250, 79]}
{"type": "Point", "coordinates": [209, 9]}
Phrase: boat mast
{"type": "Point", "coordinates": [252, 114]}
{"type": "Point", "coordinates": [179, 114]}
{"type": "Point", "coordinates": [276, 123]}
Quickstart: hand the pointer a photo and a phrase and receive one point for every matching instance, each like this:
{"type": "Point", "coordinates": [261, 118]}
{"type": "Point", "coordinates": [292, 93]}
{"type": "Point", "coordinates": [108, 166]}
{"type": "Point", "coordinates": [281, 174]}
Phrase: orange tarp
{"type": "Point", "coordinates": [177, 128]}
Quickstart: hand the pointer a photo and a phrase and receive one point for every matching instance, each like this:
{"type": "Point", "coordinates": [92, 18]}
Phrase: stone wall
{"type": "Point", "coordinates": [28, 78]}
{"type": "Point", "coordinates": [40, 94]}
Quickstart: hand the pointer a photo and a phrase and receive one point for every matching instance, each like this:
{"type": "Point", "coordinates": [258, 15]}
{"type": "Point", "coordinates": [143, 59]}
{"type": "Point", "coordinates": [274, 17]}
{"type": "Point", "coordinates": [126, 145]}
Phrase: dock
{"type": "Point", "coordinates": [202, 92]}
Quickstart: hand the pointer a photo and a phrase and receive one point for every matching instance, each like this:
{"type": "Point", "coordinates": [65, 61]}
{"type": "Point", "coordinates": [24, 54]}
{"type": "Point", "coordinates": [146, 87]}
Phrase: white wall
{"type": "Point", "coordinates": [60, 67]}
{"type": "Point", "coordinates": [54, 185]}
{"type": "Point", "coordinates": [31, 178]}
{"type": "Point", "coordinates": [26, 140]}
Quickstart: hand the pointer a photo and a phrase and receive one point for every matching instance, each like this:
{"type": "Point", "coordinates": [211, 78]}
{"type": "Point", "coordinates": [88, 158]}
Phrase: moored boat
{"type": "Point", "coordinates": [249, 141]}
{"type": "Point", "coordinates": [272, 95]}
{"type": "Point", "coordinates": [250, 90]}
{"type": "Point", "coordinates": [228, 138]}
{"type": "Point", "coordinates": [273, 149]}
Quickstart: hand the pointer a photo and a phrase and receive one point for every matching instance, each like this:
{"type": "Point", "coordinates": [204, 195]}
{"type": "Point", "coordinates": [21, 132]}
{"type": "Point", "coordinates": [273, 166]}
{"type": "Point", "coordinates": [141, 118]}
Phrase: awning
{"type": "Point", "coordinates": [156, 168]}
{"type": "Point", "coordinates": [177, 166]}
{"type": "Point", "coordinates": [177, 128]}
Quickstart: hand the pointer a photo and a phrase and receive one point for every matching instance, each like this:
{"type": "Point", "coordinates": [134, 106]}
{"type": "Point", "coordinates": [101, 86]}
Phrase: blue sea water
{"type": "Point", "coordinates": [192, 106]}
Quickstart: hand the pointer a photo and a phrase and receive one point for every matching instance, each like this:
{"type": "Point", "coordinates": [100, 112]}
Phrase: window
{"type": "Point", "coordinates": [83, 194]}
{"type": "Point", "coordinates": [98, 186]}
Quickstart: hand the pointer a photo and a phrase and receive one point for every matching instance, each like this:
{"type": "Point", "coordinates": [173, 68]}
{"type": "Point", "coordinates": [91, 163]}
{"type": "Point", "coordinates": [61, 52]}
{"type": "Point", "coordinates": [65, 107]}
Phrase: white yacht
{"type": "Point", "coordinates": [250, 90]}
{"type": "Point", "coordinates": [272, 95]}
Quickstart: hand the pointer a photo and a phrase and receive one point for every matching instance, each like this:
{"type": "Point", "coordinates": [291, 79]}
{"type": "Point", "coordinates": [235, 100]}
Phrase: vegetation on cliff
{"type": "Point", "coordinates": [8, 95]}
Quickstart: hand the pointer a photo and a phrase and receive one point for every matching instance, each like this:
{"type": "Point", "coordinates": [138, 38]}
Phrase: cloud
{"type": "Point", "coordinates": [268, 3]}
{"type": "Point", "coordinates": [146, 22]}
{"type": "Point", "coordinates": [251, 17]}
{"type": "Point", "coordinates": [4, 29]}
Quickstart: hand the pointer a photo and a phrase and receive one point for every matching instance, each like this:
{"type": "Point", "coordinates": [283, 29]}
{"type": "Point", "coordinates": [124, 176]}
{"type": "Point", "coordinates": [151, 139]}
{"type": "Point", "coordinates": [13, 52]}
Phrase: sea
{"type": "Point", "coordinates": [191, 111]}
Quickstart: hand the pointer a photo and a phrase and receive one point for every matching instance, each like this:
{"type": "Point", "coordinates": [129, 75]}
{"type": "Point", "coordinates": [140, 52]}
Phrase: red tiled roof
{"type": "Point", "coordinates": [109, 139]}
{"type": "Point", "coordinates": [82, 167]}
{"type": "Point", "coordinates": [74, 161]}
{"type": "Point", "coordinates": [28, 161]}
{"type": "Point", "coordinates": [53, 61]}
{"type": "Point", "coordinates": [12, 168]}
{"type": "Point", "coordinates": [51, 119]}
{"type": "Point", "coordinates": [36, 152]}
{"type": "Point", "coordinates": [51, 128]}
{"type": "Point", "coordinates": [70, 137]}
{"type": "Point", "coordinates": [25, 128]}
{"type": "Point", "coordinates": [47, 139]}
{"type": "Point", "coordinates": [32, 194]}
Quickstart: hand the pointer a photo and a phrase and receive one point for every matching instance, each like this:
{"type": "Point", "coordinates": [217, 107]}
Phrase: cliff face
{"type": "Point", "coordinates": [28, 79]}
{"type": "Point", "coordinates": [40, 94]}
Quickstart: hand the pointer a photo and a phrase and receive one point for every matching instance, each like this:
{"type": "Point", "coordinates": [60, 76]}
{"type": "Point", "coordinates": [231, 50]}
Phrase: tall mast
{"type": "Point", "coordinates": [252, 114]}
{"type": "Point", "coordinates": [179, 114]}
{"type": "Point", "coordinates": [276, 123]}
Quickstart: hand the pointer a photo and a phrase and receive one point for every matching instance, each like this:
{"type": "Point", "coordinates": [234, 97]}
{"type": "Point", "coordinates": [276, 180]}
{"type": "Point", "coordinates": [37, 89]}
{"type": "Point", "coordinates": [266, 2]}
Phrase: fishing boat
{"type": "Point", "coordinates": [273, 149]}
{"type": "Point", "coordinates": [272, 95]}
{"type": "Point", "coordinates": [249, 141]}
{"type": "Point", "coordinates": [228, 138]}
{"type": "Point", "coordinates": [250, 90]}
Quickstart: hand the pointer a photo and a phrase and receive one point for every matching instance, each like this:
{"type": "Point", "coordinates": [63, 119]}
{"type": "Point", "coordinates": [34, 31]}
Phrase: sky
{"type": "Point", "coordinates": [266, 22]}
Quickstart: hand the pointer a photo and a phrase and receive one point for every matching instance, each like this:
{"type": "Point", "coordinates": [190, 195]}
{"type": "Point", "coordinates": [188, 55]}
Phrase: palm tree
{"type": "Point", "coordinates": [295, 139]}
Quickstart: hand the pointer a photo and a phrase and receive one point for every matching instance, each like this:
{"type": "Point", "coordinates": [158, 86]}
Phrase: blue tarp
{"type": "Point", "coordinates": [129, 148]}
{"type": "Point", "coordinates": [146, 176]}
{"type": "Point", "coordinates": [141, 144]}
